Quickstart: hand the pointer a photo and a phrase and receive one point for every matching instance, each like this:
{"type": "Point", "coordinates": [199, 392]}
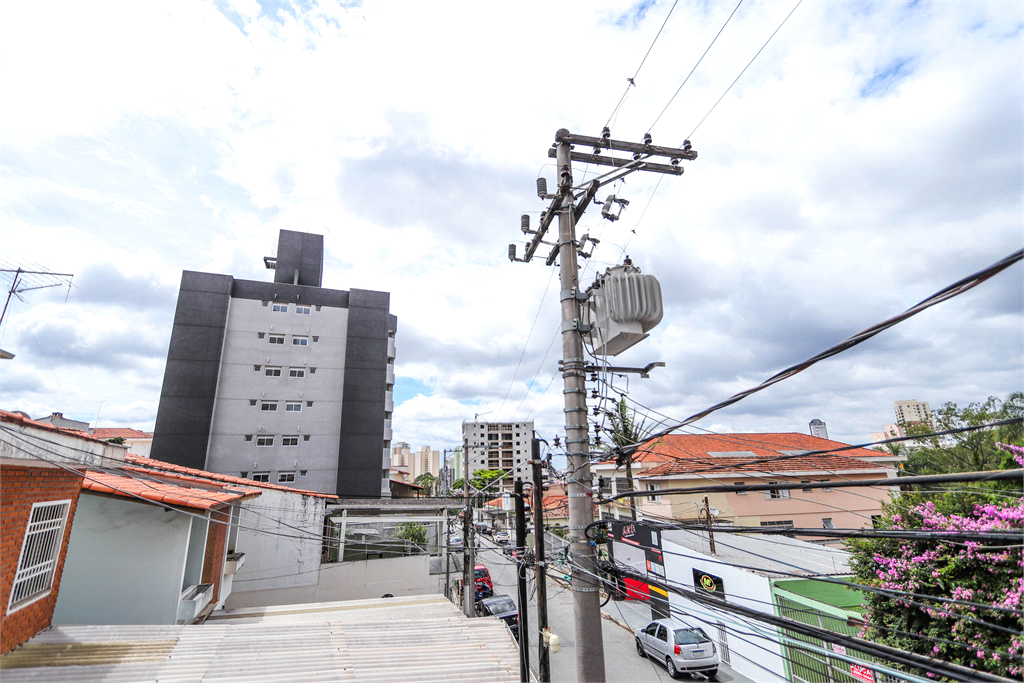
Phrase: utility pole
{"type": "Point", "coordinates": [468, 582]}
{"type": "Point", "coordinates": [711, 534]}
{"type": "Point", "coordinates": [524, 601]}
{"type": "Point", "coordinates": [543, 652]}
{"type": "Point", "coordinates": [569, 203]}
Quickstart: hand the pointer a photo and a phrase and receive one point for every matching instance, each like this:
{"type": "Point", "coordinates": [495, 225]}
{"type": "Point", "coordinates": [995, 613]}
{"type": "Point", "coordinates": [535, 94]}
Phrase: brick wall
{"type": "Point", "coordinates": [20, 488]}
{"type": "Point", "coordinates": [216, 547]}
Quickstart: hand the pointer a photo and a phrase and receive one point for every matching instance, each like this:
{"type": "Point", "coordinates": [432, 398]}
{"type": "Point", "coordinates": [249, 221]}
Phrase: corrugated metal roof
{"type": "Point", "coordinates": [401, 639]}
{"type": "Point", "coordinates": [767, 554]}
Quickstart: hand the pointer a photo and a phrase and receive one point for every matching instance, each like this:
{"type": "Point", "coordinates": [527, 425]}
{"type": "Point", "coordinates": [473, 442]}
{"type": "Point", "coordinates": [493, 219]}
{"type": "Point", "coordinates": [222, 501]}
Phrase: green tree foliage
{"type": "Point", "coordinates": [480, 480]}
{"type": "Point", "coordinates": [119, 440]}
{"type": "Point", "coordinates": [966, 451]}
{"type": "Point", "coordinates": [412, 531]}
{"type": "Point", "coordinates": [428, 481]}
{"type": "Point", "coordinates": [964, 571]}
{"type": "Point", "coordinates": [628, 432]}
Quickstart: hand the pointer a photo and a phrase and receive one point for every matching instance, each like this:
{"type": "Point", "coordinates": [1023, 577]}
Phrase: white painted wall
{"type": "Point", "coordinates": [125, 563]}
{"type": "Point", "coordinates": [238, 383]}
{"type": "Point", "coordinates": [348, 581]}
{"type": "Point", "coordinates": [756, 658]}
{"type": "Point", "coordinates": [280, 534]}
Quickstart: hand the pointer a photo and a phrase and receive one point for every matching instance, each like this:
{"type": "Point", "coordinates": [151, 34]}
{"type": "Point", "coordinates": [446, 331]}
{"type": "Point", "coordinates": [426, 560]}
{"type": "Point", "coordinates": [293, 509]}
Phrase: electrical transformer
{"type": "Point", "coordinates": [624, 305]}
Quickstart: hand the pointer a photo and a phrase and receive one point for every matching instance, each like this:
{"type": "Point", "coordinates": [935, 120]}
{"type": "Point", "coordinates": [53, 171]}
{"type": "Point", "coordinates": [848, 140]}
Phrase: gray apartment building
{"type": "Point", "coordinates": [285, 381]}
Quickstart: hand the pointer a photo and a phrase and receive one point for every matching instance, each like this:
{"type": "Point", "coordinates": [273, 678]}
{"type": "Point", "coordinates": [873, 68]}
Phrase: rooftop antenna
{"type": "Point", "coordinates": [28, 280]}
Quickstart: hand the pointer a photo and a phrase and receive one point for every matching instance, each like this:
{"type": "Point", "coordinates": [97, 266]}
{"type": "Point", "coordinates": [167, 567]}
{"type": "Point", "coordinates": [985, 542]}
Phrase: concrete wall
{"type": "Point", "coordinates": [280, 534]}
{"type": "Point", "coordinates": [757, 658]}
{"type": "Point", "coordinates": [190, 376]}
{"type": "Point", "coordinates": [125, 563]}
{"type": "Point", "coordinates": [348, 581]}
{"type": "Point", "coordinates": [240, 384]}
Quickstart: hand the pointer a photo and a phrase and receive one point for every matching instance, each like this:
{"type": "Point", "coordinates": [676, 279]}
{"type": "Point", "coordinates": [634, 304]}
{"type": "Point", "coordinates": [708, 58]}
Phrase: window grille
{"type": "Point", "coordinates": [40, 552]}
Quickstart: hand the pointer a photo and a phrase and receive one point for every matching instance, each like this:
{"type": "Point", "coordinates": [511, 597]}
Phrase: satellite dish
{"type": "Point", "coordinates": [714, 511]}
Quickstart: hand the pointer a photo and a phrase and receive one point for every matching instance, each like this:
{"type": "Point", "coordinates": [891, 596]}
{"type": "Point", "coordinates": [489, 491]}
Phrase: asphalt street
{"type": "Point", "coordinates": [622, 663]}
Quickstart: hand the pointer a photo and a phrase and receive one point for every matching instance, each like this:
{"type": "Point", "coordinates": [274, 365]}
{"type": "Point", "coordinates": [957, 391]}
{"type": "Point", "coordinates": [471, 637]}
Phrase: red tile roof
{"type": "Point", "coordinates": [124, 432]}
{"type": "Point", "coordinates": [164, 467]}
{"type": "Point", "coordinates": [17, 418]}
{"type": "Point", "coordinates": [689, 453]}
{"type": "Point", "coordinates": [161, 492]}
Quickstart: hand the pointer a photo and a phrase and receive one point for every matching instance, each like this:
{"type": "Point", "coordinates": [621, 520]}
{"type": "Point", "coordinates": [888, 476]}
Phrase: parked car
{"type": "Point", "coordinates": [680, 647]}
{"type": "Point", "coordinates": [482, 579]}
{"type": "Point", "coordinates": [484, 529]}
{"type": "Point", "coordinates": [502, 538]}
{"type": "Point", "coordinates": [455, 542]}
{"type": "Point", "coordinates": [502, 607]}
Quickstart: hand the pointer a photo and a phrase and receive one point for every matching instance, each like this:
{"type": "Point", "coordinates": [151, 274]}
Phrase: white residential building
{"type": "Point", "coordinates": [499, 446]}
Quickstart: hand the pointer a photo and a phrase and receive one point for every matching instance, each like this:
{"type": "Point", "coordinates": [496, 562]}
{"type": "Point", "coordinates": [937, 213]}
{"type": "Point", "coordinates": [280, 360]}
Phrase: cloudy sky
{"type": "Point", "coordinates": [871, 155]}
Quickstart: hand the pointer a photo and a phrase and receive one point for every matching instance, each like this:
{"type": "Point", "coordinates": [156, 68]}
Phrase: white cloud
{"type": "Point", "coordinates": [871, 155]}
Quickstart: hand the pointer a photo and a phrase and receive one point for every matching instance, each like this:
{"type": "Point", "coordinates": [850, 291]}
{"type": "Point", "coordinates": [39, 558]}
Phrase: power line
{"type": "Point", "coordinates": [651, 127]}
{"type": "Point", "coordinates": [745, 68]}
{"type": "Point", "coordinates": [953, 290]}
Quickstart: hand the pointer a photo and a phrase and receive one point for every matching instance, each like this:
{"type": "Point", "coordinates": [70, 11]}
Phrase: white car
{"type": "Point", "coordinates": [681, 648]}
{"type": "Point", "coordinates": [502, 538]}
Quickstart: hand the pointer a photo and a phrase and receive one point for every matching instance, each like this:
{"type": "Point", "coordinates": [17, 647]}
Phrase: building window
{"type": "Point", "coordinates": [272, 372]}
{"type": "Point", "coordinates": [316, 339]}
{"type": "Point", "coordinates": [252, 401]}
{"type": "Point", "coordinates": [653, 498]}
{"type": "Point", "coordinates": [248, 437]}
{"type": "Point", "coordinates": [293, 407]}
{"type": "Point", "coordinates": [302, 310]}
{"type": "Point", "coordinates": [305, 437]}
{"type": "Point", "coordinates": [260, 335]}
{"type": "Point", "coordinates": [826, 522]}
{"type": "Point", "coordinates": [257, 367]}
{"type": "Point", "coordinates": [243, 475]}
{"type": "Point", "coordinates": [40, 553]}
{"type": "Point", "coordinates": [261, 476]}
{"type": "Point", "coordinates": [269, 407]}
{"type": "Point", "coordinates": [806, 481]}
{"type": "Point", "coordinates": [285, 477]}
{"type": "Point", "coordinates": [317, 308]}
{"type": "Point", "coordinates": [280, 308]}
{"type": "Point", "coordinates": [265, 304]}
{"type": "Point", "coordinates": [309, 404]}
{"type": "Point", "coordinates": [296, 372]}
{"type": "Point", "coordinates": [264, 441]}
{"type": "Point", "coordinates": [300, 341]}
{"type": "Point", "coordinates": [739, 483]}
{"type": "Point", "coordinates": [783, 522]}
{"type": "Point", "coordinates": [779, 494]}
{"type": "Point", "coordinates": [312, 371]}
{"type": "Point", "coordinates": [876, 521]}
{"type": "Point", "coordinates": [277, 339]}
{"type": "Point", "coordinates": [290, 440]}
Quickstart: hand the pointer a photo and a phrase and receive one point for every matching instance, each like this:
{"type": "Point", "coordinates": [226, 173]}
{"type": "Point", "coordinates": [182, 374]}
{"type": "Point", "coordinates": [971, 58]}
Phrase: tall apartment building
{"type": "Point", "coordinates": [499, 446]}
{"type": "Point", "coordinates": [283, 381]}
{"type": "Point", "coordinates": [818, 428]}
{"type": "Point", "coordinates": [423, 461]}
{"type": "Point", "coordinates": [913, 412]}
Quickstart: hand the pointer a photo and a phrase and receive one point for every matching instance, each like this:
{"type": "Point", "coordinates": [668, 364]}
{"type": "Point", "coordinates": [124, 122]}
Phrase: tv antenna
{"type": "Point", "coordinates": [28, 280]}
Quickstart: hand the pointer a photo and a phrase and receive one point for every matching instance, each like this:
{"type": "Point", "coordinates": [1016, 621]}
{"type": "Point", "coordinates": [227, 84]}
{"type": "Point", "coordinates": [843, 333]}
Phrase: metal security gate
{"type": "Point", "coordinates": [723, 643]}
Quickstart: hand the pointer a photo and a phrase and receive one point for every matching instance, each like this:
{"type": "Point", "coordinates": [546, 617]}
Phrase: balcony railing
{"type": "Point", "coordinates": [192, 601]}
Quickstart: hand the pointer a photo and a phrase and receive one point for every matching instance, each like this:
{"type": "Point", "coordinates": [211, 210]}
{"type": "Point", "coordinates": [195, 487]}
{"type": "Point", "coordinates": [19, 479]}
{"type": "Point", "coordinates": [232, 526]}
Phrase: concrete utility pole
{"type": "Point", "coordinates": [569, 203]}
{"type": "Point", "coordinates": [468, 582]}
{"type": "Point", "coordinates": [585, 589]}
{"type": "Point", "coordinates": [543, 654]}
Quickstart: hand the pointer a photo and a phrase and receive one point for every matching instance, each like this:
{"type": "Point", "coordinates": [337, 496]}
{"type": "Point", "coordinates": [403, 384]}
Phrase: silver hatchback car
{"type": "Point", "coordinates": [683, 649]}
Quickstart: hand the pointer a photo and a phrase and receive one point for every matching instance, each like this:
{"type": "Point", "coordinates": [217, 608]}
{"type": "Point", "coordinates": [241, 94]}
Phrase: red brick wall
{"type": "Point", "coordinates": [20, 487]}
{"type": "Point", "coordinates": [216, 544]}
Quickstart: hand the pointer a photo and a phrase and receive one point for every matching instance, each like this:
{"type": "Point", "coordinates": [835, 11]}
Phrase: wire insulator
{"type": "Point", "coordinates": [542, 187]}
{"type": "Point", "coordinates": [524, 222]}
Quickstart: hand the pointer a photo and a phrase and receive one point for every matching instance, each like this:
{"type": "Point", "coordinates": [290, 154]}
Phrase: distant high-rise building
{"type": "Point", "coordinates": [913, 412]}
{"type": "Point", "coordinates": [423, 461]}
{"type": "Point", "coordinates": [499, 446]}
{"type": "Point", "coordinates": [284, 381]}
{"type": "Point", "coordinates": [818, 429]}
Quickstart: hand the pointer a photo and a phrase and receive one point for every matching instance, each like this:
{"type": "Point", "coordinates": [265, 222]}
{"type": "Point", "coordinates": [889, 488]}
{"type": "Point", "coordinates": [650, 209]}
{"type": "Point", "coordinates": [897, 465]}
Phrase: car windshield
{"type": "Point", "coordinates": [691, 636]}
{"type": "Point", "coordinates": [501, 606]}
{"type": "Point", "coordinates": [479, 573]}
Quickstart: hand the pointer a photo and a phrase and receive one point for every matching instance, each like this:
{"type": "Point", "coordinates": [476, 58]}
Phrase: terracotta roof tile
{"type": "Point", "coordinates": [691, 453]}
{"type": "Point", "coordinates": [161, 492]}
{"type": "Point", "coordinates": [124, 432]}
{"type": "Point", "coordinates": [7, 416]}
{"type": "Point", "coordinates": [160, 465]}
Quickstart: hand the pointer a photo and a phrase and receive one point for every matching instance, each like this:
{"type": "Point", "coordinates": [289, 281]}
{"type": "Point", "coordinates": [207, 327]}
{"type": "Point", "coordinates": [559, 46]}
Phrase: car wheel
{"type": "Point", "coordinates": [640, 648]}
{"type": "Point", "coordinates": [671, 667]}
